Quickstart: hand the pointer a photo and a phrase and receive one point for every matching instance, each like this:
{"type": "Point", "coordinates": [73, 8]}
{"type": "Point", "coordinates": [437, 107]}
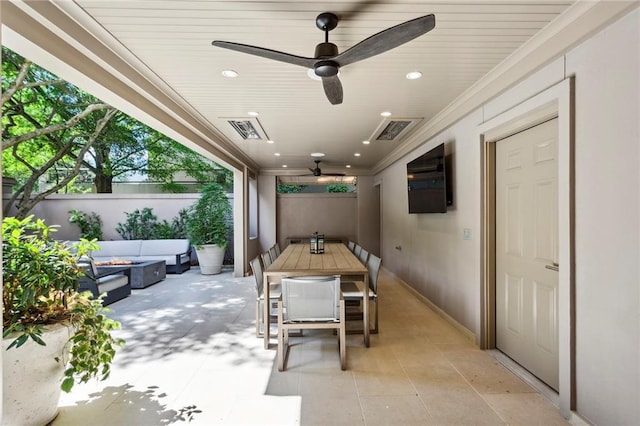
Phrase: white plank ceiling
{"type": "Point", "coordinates": [173, 40]}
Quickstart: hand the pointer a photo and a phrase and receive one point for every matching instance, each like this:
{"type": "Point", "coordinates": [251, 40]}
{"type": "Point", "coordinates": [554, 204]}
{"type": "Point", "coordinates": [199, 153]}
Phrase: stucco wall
{"type": "Point", "coordinates": [266, 213]}
{"type": "Point", "coordinates": [607, 163]}
{"type": "Point", "coordinates": [368, 220]}
{"type": "Point", "coordinates": [110, 207]}
{"type": "Point", "coordinates": [433, 257]}
{"type": "Point", "coordinates": [329, 214]}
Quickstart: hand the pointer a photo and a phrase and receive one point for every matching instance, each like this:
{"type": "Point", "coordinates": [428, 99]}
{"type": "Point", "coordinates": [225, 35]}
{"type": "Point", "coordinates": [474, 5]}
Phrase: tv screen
{"type": "Point", "coordinates": [427, 182]}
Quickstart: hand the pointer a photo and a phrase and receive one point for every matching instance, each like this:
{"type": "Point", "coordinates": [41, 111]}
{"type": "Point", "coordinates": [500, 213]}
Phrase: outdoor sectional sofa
{"type": "Point", "coordinates": [176, 253]}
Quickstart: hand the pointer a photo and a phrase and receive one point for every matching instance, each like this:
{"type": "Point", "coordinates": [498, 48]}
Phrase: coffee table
{"type": "Point", "coordinates": [142, 274]}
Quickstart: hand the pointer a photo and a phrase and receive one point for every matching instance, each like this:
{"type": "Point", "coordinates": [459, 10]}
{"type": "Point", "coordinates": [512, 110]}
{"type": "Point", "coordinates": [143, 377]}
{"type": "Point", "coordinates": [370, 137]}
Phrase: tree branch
{"type": "Point", "coordinates": [13, 88]}
{"type": "Point", "coordinates": [7, 143]}
{"type": "Point", "coordinates": [27, 202]}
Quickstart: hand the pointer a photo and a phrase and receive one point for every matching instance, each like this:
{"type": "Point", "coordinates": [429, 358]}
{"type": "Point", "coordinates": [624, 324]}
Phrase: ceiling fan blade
{"type": "Point", "coordinates": [266, 53]}
{"type": "Point", "coordinates": [387, 40]}
{"type": "Point", "coordinates": [333, 89]}
{"type": "Point", "coordinates": [333, 174]}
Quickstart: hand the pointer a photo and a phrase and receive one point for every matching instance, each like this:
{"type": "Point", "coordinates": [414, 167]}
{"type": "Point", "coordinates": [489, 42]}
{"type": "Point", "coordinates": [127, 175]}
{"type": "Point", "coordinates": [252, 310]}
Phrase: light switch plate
{"type": "Point", "coordinates": [466, 233]}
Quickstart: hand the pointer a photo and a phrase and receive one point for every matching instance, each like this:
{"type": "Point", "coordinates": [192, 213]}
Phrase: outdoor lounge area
{"type": "Point", "coordinates": [489, 159]}
{"type": "Point", "coordinates": [194, 358]}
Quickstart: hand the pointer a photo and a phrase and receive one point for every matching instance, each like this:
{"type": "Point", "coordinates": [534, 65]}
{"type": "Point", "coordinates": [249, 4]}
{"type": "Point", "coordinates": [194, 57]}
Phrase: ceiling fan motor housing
{"type": "Point", "coordinates": [325, 68]}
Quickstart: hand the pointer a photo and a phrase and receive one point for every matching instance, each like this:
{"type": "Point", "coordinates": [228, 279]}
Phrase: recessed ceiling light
{"type": "Point", "coordinates": [366, 142]}
{"type": "Point", "coordinates": [284, 165]}
{"type": "Point", "coordinates": [317, 154]}
{"type": "Point", "coordinates": [348, 166]}
{"type": "Point", "coordinates": [414, 75]}
{"type": "Point", "coordinates": [229, 73]}
{"type": "Point", "coordinates": [270, 141]}
{"type": "Point", "coordinates": [357, 154]}
{"type": "Point", "coordinates": [277, 154]}
{"type": "Point", "coordinates": [253, 113]}
{"type": "Point", "coordinates": [385, 114]}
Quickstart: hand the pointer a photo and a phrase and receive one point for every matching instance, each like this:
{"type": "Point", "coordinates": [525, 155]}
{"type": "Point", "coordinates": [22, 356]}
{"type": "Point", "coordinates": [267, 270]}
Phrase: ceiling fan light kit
{"type": "Point", "coordinates": [327, 60]}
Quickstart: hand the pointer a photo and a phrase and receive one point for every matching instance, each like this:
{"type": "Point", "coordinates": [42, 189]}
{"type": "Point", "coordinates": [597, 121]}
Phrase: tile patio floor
{"type": "Point", "coordinates": [192, 357]}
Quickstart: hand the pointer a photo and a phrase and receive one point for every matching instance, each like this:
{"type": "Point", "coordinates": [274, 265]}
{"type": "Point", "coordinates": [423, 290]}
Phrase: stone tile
{"type": "Point", "coordinates": [525, 409]}
{"type": "Point", "coordinates": [192, 356]}
{"type": "Point", "coordinates": [395, 410]}
{"type": "Point", "coordinates": [486, 374]}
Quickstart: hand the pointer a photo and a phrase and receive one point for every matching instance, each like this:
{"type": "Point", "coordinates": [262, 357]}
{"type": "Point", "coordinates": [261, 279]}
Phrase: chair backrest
{"type": "Point", "coordinates": [314, 298]}
{"type": "Point", "coordinates": [357, 250]}
{"type": "Point", "coordinates": [276, 246]}
{"type": "Point", "coordinates": [266, 259]}
{"type": "Point", "coordinates": [351, 246]}
{"type": "Point", "coordinates": [88, 266]}
{"type": "Point", "coordinates": [256, 268]}
{"type": "Point", "coordinates": [373, 266]}
{"type": "Point", "coordinates": [363, 256]}
{"type": "Point", "coordinates": [272, 253]}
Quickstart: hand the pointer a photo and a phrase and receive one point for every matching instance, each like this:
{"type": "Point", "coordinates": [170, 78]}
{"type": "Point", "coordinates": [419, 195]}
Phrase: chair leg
{"type": "Point", "coordinates": [342, 340]}
{"type": "Point", "coordinates": [258, 320]}
{"type": "Point", "coordinates": [375, 317]}
{"type": "Point", "coordinates": [281, 338]}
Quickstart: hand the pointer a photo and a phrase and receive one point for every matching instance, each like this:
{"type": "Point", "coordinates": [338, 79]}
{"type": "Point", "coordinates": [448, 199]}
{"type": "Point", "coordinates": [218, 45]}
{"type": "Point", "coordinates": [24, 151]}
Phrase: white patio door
{"type": "Point", "coordinates": [527, 250]}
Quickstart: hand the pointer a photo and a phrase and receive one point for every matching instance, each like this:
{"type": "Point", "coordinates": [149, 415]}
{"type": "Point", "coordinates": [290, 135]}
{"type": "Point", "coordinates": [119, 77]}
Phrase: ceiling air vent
{"type": "Point", "coordinates": [247, 128]}
{"type": "Point", "coordinates": [393, 129]}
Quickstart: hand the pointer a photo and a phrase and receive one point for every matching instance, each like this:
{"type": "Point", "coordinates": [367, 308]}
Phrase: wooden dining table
{"type": "Point", "coordinates": [297, 260]}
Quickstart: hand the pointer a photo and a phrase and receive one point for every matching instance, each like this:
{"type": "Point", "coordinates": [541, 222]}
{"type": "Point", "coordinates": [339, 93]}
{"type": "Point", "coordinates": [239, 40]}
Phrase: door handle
{"type": "Point", "coordinates": [553, 267]}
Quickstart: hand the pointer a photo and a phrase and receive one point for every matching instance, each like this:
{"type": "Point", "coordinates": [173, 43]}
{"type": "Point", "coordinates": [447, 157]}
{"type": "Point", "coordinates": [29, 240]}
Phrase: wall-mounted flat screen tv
{"type": "Point", "coordinates": [427, 182]}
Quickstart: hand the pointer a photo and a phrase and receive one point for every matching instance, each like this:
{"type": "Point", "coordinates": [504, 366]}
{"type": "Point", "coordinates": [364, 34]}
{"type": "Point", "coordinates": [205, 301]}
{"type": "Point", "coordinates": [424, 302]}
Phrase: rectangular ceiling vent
{"type": "Point", "coordinates": [247, 128]}
{"type": "Point", "coordinates": [393, 129]}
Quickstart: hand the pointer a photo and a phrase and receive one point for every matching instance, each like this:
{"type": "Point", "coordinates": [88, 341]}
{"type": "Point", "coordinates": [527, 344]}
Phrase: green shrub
{"type": "Point", "coordinates": [337, 187]}
{"type": "Point", "coordinates": [290, 188]}
{"type": "Point", "coordinates": [90, 224]}
{"type": "Point", "coordinates": [207, 220]}
{"type": "Point", "coordinates": [144, 225]}
{"type": "Point", "coordinates": [139, 225]}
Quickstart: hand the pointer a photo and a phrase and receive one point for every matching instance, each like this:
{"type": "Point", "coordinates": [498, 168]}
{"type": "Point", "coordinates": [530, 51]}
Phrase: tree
{"type": "Point", "coordinates": [56, 136]}
{"type": "Point", "coordinates": [43, 124]}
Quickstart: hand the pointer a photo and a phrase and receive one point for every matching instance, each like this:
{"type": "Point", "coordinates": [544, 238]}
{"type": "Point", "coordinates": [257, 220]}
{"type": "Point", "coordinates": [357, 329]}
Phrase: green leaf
{"type": "Point", "coordinates": [67, 384]}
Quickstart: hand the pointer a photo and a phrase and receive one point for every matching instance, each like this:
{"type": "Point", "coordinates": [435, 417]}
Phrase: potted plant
{"type": "Point", "coordinates": [53, 335]}
{"type": "Point", "coordinates": [208, 227]}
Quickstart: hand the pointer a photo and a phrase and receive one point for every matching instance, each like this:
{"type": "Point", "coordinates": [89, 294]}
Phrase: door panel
{"type": "Point", "coordinates": [527, 241]}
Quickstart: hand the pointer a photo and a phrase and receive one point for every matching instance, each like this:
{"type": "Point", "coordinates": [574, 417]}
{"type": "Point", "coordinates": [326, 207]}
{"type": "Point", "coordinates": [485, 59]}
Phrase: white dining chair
{"type": "Point", "coordinates": [273, 253]}
{"type": "Point", "coordinates": [312, 302]}
{"type": "Point", "coordinates": [266, 259]}
{"type": "Point", "coordinates": [274, 295]}
{"type": "Point", "coordinates": [354, 291]}
{"type": "Point", "coordinates": [363, 256]}
{"type": "Point", "coordinates": [351, 245]}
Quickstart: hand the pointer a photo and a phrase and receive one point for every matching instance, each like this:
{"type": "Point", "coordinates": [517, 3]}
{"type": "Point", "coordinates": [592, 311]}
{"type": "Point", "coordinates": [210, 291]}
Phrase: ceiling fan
{"type": "Point", "coordinates": [318, 172]}
{"type": "Point", "coordinates": [327, 61]}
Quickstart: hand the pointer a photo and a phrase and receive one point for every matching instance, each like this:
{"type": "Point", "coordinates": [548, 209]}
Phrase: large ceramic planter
{"type": "Point", "coordinates": [210, 258]}
{"type": "Point", "coordinates": [31, 378]}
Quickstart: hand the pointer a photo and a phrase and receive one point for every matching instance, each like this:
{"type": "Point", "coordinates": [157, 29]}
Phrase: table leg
{"type": "Point", "coordinates": [266, 314]}
{"type": "Point", "coordinates": [365, 310]}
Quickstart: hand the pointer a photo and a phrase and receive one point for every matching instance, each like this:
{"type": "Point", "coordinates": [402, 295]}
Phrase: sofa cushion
{"type": "Point", "coordinates": [120, 249]}
{"type": "Point", "coordinates": [111, 282]}
{"type": "Point", "coordinates": [168, 259]}
{"type": "Point", "coordinates": [164, 247]}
